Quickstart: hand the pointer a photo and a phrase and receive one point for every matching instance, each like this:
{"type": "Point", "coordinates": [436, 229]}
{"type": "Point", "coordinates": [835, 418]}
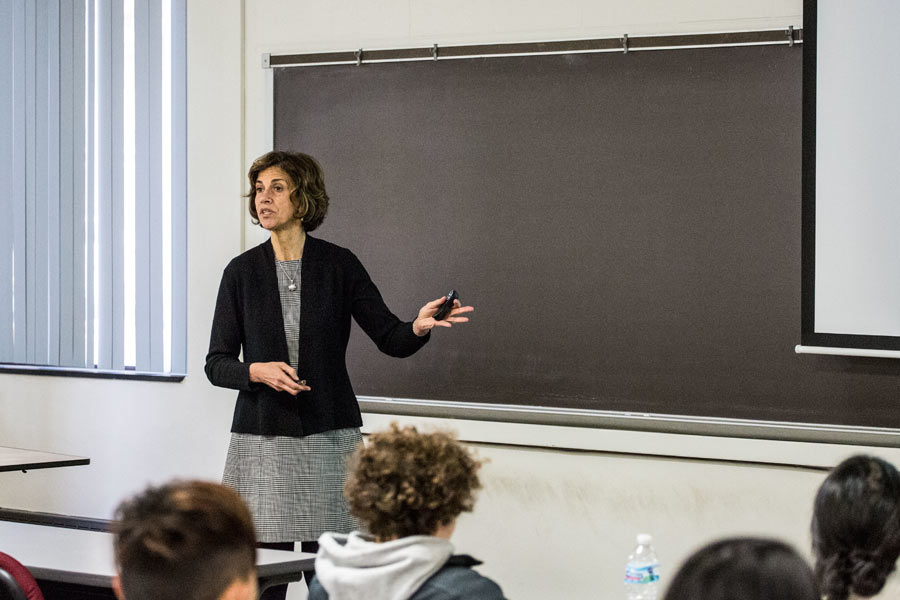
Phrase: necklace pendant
{"type": "Point", "coordinates": [292, 287]}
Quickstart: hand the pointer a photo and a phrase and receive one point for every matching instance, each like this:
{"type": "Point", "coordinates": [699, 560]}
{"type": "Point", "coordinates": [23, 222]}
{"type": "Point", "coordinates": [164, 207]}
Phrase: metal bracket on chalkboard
{"type": "Point", "coordinates": [790, 35]}
{"type": "Point", "coordinates": [625, 43]}
{"type": "Point", "coordinates": [434, 52]}
{"type": "Point", "coordinates": [359, 57]}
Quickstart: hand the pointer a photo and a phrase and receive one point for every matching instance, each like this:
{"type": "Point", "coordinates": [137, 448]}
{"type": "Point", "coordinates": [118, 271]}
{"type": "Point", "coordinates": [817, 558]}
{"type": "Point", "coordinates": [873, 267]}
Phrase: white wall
{"type": "Point", "coordinates": [557, 521]}
{"type": "Point", "coordinates": [550, 522]}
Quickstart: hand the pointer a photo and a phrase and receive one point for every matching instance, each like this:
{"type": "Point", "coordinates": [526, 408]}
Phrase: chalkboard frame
{"type": "Point", "coordinates": [645, 420]}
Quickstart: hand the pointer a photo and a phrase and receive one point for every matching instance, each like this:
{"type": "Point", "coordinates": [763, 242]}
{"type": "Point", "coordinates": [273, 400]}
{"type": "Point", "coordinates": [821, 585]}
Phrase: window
{"type": "Point", "coordinates": [93, 150]}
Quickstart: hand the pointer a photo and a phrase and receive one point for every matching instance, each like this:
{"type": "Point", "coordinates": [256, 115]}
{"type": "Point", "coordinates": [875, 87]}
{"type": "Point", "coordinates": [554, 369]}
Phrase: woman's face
{"type": "Point", "coordinates": [273, 199]}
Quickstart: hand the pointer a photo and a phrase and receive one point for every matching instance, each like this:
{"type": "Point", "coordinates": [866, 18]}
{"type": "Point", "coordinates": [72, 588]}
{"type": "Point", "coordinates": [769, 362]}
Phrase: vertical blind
{"type": "Point", "coordinates": [93, 145]}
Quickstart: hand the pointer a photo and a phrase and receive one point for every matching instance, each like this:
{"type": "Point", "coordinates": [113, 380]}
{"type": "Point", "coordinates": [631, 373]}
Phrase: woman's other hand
{"type": "Point", "coordinates": [425, 322]}
{"type": "Point", "coordinates": [278, 376]}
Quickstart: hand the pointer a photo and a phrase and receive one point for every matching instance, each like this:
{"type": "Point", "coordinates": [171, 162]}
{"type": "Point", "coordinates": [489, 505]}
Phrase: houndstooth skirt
{"type": "Point", "coordinates": [293, 485]}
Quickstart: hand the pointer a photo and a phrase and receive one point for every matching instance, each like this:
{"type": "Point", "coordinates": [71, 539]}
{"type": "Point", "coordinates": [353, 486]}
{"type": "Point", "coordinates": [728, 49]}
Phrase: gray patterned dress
{"type": "Point", "coordinates": [293, 485]}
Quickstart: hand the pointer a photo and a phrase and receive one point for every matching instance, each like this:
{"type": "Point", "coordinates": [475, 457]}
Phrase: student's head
{"type": "Point", "coordinates": [744, 569]}
{"type": "Point", "coordinates": [402, 482]}
{"type": "Point", "coordinates": [856, 527]}
{"type": "Point", "coordinates": [187, 540]}
{"type": "Point", "coordinates": [306, 181]}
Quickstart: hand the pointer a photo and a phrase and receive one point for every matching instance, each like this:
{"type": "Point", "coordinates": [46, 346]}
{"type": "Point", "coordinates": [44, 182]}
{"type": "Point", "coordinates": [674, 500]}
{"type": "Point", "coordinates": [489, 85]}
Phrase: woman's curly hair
{"type": "Point", "coordinates": [856, 527]}
{"type": "Point", "coordinates": [402, 482]}
{"type": "Point", "coordinates": [308, 193]}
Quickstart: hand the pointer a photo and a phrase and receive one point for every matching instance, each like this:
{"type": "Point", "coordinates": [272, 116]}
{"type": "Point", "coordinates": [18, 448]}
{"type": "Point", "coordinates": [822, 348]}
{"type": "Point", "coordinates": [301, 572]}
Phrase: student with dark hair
{"type": "Point", "coordinates": [407, 488]}
{"type": "Point", "coordinates": [189, 540]}
{"type": "Point", "coordinates": [856, 530]}
{"type": "Point", "coordinates": [744, 569]}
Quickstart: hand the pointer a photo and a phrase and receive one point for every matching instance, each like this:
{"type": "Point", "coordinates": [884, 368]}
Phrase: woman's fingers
{"type": "Point", "coordinates": [288, 370]}
{"type": "Point", "coordinates": [426, 321]}
{"type": "Point", "coordinates": [454, 317]}
{"type": "Point", "coordinates": [457, 319]}
{"type": "Point", "coordinates": [286, 384]}
{"type": "Point", "coordinates": [286, 378]}
{"type": "Point", "coordinates": [431, 308]}
{"type": "Point", "coordinates": [290, 382]}
{"type": "Point", "coordinates": [449, 321]}
{"type": "Point", "coordinates": [293, 387]}
{"type": "Point", "coordinates": [279, 376]}
{"type": "Point", "coordinates": [461, 309]}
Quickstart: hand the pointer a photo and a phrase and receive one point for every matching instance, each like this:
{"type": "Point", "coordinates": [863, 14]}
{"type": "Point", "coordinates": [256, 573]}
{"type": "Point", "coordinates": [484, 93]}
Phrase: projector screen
{"type": "Point", "coordinates": [851, 174]}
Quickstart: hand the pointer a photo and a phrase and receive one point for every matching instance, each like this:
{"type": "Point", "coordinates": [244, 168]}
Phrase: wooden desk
{"type": "Point", "coordinates": [82, 560]}
{"type": "Point", "coordinates": [19, 459]}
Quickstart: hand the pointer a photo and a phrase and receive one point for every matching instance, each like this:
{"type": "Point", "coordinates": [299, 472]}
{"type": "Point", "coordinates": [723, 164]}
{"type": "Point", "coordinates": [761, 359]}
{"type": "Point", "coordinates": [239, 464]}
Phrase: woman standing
{"type": "Point", "coordinates": [286, 305]}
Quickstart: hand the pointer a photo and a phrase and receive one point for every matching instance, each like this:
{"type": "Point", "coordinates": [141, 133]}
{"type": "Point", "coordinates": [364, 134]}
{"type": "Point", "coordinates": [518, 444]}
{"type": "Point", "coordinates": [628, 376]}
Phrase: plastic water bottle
{"type": "Point", "coordinates": [642, 571]}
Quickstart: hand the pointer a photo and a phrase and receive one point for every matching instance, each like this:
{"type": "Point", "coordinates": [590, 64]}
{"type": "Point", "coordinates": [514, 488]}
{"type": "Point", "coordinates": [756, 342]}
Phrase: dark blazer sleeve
{"type": "Point", "coordinates": [392, 336]}
{"type": "Point", "coordinates": [223, 365]}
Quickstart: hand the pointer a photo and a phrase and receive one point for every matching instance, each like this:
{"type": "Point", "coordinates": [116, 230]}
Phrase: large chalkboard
{"type": "Point", "coordinates": [627, 227]}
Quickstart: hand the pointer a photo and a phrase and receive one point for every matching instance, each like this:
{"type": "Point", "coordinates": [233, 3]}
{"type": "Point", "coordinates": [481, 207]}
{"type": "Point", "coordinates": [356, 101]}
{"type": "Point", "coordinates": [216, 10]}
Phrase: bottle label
{"type": "Point", "coordinates": [645, 574]}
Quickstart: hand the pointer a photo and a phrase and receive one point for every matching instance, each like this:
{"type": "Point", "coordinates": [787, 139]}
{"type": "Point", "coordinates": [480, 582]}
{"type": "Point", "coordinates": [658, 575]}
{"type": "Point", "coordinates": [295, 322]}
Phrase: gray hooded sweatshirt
{"type": "Point", "coordinates": [355, 567]}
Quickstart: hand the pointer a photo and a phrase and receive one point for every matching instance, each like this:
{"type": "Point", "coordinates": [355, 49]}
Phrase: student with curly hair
{"type": "Point", "coordinates": [186, 540]}
{"type": "Point", "coordinates": [744, 569]}
{"type": "Point", "coordinates": [407, 488]}
{"type": "Point", "coordinates": [856, 530]}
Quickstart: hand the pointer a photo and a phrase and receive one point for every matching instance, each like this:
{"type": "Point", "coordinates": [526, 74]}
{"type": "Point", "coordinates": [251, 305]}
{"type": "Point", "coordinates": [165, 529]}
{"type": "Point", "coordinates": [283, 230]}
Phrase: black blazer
{"type": "Point", "coordinates": [334, 286]}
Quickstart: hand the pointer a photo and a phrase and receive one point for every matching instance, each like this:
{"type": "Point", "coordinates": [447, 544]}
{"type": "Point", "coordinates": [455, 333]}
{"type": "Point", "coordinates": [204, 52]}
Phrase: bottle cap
{"type": "Point", "coordinates": [644, 539]}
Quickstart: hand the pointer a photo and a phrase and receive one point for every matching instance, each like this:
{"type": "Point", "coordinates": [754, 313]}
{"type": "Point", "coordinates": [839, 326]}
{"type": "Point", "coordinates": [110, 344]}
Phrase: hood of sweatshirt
{"type": "Point", "coordinates": [355, 567]}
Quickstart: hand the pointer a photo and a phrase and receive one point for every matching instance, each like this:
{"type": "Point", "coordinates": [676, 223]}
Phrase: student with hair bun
{"type": "Point", "coordinates": [856, 530]}
{"type": "Point", "coordinates": [744, 569]}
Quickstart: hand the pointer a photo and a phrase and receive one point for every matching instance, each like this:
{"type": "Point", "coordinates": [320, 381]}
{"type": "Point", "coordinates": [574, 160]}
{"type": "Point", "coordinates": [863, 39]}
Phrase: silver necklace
{"type": "Point", "coordinates": [293, 286]}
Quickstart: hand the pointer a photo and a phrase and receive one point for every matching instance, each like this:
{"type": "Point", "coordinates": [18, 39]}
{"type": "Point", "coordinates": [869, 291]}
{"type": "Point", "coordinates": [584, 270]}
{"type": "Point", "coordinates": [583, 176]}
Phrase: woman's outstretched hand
{"type": "Point", "coordinates": [278, 376]}
{"type": "Point", "coordinates": [425, 322]}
